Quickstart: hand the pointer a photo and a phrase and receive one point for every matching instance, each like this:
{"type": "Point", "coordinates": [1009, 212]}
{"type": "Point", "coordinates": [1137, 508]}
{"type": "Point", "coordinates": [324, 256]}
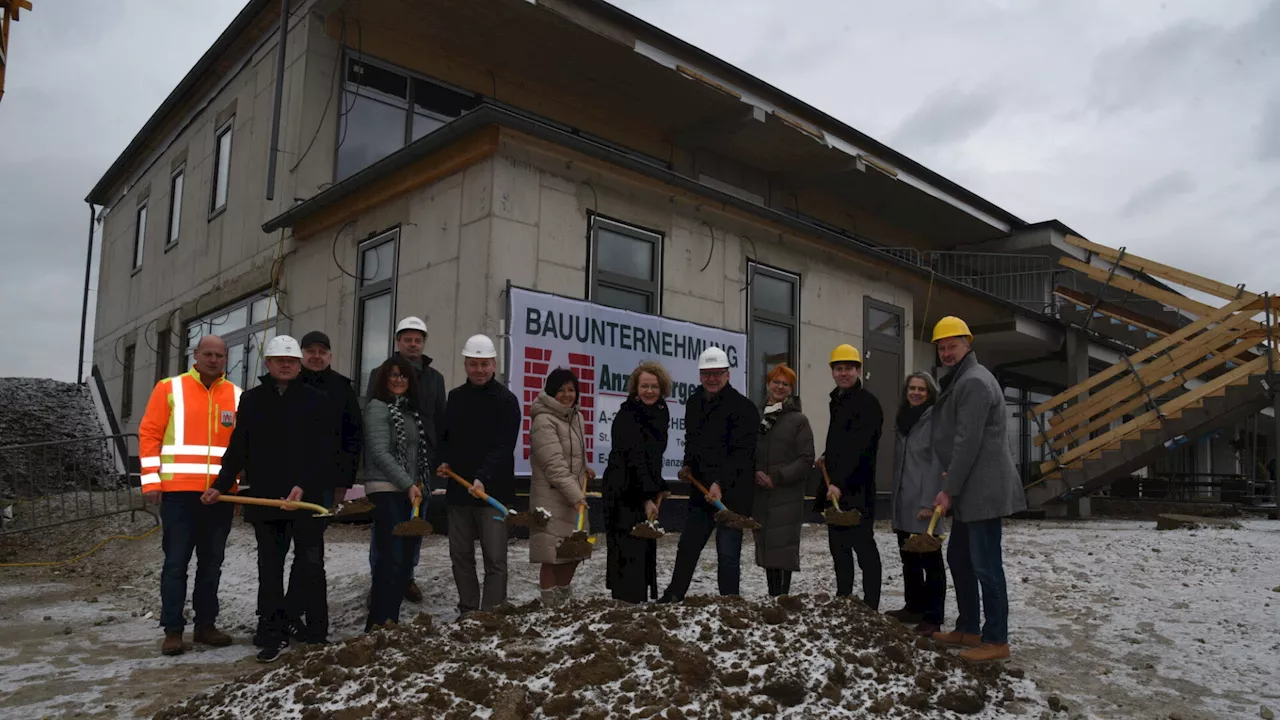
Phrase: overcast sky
{"type": "Point", "coordinates": [1154, 125]}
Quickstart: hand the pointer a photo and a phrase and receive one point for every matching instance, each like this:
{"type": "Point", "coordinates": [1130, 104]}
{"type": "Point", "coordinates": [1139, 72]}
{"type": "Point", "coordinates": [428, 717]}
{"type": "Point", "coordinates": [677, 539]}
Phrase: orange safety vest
{"type": "Point", "coordinates": [185, 432]}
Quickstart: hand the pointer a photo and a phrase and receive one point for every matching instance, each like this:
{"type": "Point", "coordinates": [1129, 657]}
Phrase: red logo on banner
{"type": "Point", "coordinates": [537, 365]}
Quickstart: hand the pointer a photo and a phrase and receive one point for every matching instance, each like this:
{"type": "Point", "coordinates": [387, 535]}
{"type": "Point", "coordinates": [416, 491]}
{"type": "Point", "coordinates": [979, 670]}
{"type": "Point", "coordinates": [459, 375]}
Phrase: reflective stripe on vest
{"type": "Point", "coordinates": [189, 468]}
{"type": "Point", "coordinates": [201, 450]}
{"type": "Point", "coordinates": [150, 479]}
{"type": "Point", "coordinates": [150, 462]}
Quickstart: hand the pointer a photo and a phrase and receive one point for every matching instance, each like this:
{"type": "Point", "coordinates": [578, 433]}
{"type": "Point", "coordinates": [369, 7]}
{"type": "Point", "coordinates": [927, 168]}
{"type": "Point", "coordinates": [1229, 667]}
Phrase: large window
{"type": "Point", "coordinates": [245, 326]}
{"type": "Point", "coordinates": [775, 322]}
{"type": "Point", "coordinates": [626, 266]}
{"type": "Point", "coordinates": [385, 108]}
{"type": "Point", "coordinates": [375, 299]}
{"type": "Point", "coordinates": [126, 382]}
{"type": "Point", "coordinates": [175, 206]}
{"type": "Point", "coordinates": [140, 236]}
{"type": "Point", "coordinates": [221, 168]}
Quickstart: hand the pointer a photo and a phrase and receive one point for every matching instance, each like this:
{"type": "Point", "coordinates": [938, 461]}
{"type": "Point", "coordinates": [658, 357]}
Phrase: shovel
{"type": "Point", "coordinates": [415, 526]}
{"type": "Point", "coordinates": [319, 510]}
{"type": "Point", "coordinates": [359, 506]}
{"type": "Point", "coordinates": [649, 529]}
{"type": "Point", "coordinates": [579, 545]}
{"type": "Point", "coordinates": [927, 542]}
{"type": "Point", "coordinates": [834, 515]}
{"type": "Point", "coordinates": [534, 519]}
{"type": "Point", "coordinates": [725, 516]}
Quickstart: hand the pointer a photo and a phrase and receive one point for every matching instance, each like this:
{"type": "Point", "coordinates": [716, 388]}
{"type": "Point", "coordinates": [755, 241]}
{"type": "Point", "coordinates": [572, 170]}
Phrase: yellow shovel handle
{"type": "Point", "coordinates": [268, 502]}
{"type": "Point", "coordinates": [826, 480]}
{"type": "Point", "coordinates": [933, 522]}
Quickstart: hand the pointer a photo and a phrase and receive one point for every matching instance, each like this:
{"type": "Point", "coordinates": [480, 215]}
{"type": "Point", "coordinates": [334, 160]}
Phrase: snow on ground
{"type": "Point", "coordinates": [1115, 618]}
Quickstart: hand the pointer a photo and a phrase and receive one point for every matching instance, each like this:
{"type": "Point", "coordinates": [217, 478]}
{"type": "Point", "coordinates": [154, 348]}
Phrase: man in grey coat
{"type": "Point", "coordinates": [980, 485]}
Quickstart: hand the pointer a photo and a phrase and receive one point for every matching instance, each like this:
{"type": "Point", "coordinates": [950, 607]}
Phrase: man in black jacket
{"type": "Point", "coordinates": [411, 340]}
{"type": "Point", "coordinates": [482, 424]}
{"type": "Point", "coordinates": [339, 467]}
{"type": "Point", "coordinates": [720, 428]}
{"type": "Point", "coordinates": [278, 427]}
{"type": "Point", "coordinates": [853, 438]}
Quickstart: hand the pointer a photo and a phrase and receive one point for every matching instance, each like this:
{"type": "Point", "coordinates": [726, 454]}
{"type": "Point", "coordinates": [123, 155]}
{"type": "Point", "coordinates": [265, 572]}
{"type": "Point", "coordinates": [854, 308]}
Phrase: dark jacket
{"type": "Point", "coordinates": [971, 442]}
{"type": "Point", "coordinates": [853, 439]}
{"type": "Point", "coordinates": [345, 406]}
{"type": "Point", "coordinates": [431, 398]}
{"type": "Point", "coordinates": [785, 454]}
{"type": "Point", "coordinates": [478, 440]}
{"type": "Point", "coordinates": [274, 443]}
{"type": "Point", "coordinates": [720, 446]}
{"type": "Point", "coordinates": [634, 474]}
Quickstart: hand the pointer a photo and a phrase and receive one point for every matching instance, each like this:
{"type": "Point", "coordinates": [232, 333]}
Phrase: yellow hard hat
{"type": "Point", "coordinates": [951, 326]}
{"type": "Point", "coordinates": [845, 353]}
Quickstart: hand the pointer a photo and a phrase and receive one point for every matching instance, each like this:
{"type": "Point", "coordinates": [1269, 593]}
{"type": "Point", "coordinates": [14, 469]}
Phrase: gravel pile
{"type": "Point", "coordinates": [38, 410]}
{"type": "Point", "coordinates": [798, 656]}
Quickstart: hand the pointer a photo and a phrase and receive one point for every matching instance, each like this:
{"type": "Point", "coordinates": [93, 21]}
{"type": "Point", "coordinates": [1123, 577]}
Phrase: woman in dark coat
{"type": "Point", "coordinates": [784, 457]}
{"type": "Point", "coordinates": [633, 483]}
{"type": "Point", "coordinates": [917, 478]}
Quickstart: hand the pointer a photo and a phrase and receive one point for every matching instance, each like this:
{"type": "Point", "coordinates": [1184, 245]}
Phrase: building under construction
{"type": "Point", "coordinates": [336, 165]}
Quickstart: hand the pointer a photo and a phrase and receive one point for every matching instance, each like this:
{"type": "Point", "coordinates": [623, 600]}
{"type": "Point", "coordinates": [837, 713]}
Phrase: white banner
{"type": "Point", "coordinates": [602, 345]}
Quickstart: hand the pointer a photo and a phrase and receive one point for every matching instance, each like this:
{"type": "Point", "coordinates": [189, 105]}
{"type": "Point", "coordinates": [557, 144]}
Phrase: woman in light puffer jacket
{"type": "Point", "coordinates": [396, 455]}
{"type": "Point", "coordinates": [559, 465]}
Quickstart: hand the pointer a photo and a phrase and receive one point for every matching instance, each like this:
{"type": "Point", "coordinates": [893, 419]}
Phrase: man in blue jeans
{"type": "Point", "coordinates": [719, 451]}
{"type": "Point", "coordinates": [980, 485]}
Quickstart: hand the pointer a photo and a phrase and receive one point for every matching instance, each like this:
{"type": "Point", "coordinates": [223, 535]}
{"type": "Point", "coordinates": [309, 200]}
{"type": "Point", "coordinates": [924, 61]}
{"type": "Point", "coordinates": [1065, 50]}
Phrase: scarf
{"type": "Point", "coordinates": [908, 416]}
{"type": "Point", "coordinates": [399, 408]}
{"type": "Point", "coordinates": [772, 412]}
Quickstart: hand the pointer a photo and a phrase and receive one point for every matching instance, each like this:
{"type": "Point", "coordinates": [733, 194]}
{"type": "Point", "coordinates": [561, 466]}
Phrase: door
{"type": "Point", "coordinates": [883, 374]}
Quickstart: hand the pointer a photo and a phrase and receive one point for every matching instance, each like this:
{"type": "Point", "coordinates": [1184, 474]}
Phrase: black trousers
{"type": "Point", "coordinates": [307, 575]}
{"type": "Point", "coordinates": [631, 575]}
{"type": "Point", "coordinates": [924, 579]}
{"type": "Point", "coordinates": [860, 540]}
{"type": "Point", "coordinates": [779, 581]}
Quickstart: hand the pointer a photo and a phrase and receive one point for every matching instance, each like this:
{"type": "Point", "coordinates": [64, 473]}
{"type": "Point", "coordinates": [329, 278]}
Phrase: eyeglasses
{"type": "Point", "coordinates": [396, 376]}
{"type": "Point", "coordinates": [712, 373]}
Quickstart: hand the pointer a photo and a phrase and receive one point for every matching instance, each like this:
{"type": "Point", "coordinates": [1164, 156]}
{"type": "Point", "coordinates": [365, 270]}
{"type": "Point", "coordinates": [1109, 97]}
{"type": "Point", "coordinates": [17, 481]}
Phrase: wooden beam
{"type": "Point", "coordinates": [1182, 356]}
{"type": "Point", "coordinates": [1112, 310]}
{"type": "Point", "coordinates": [1219, 358]}
{"type": "Point", "coordinates": [1142, 355]}
{"type": "Point", "coordinates": [445, 162]}
{"type": "Point", "coordinates": [1172, 274]}
{"type": "Point", "coordinates": [1173, 406]}
{"type": "Point", "coordinates": [1146, 290]}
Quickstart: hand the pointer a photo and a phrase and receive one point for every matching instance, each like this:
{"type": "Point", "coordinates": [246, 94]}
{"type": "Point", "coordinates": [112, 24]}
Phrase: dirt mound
{"type": "Point", "coordinates": [38, 410]}
{"type": "Point", "coordinates": [713, 657]}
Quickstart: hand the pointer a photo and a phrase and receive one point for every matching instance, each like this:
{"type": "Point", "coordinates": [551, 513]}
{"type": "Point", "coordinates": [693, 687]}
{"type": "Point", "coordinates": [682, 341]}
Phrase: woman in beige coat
{"type": "Point", "coordinates": [559, 466]}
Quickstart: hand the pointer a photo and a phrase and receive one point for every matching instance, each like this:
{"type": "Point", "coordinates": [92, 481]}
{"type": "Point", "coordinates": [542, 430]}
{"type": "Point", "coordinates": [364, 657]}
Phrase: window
{"type": "Point", "coordinates": [774, 324]}
{"type": "Point", "coordinates": [626, 266]}
{"type": "Point", "coordinates": [139, 236]}
{"type": "Point", "coordinates": [126, 382]}
{"type": "Point", "coordinates": [221, 167]}
{"type": "Point", "coordinates": [175, 205]}
{"type": "Point", "coordinates": [883, 322]}
{"type": "Point", "coordinates": [163, 338]}
{"type": "Point", "coordinates": [375, 298]}
{"type": "Point", "coordinates": [385, 108]}
{"type": "Point", "coordinates": [245, 326]}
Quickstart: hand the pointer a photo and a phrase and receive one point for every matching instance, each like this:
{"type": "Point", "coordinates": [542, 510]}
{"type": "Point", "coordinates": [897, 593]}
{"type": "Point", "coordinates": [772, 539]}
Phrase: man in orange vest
{"type": "Point", "coordinates": [181, 440]}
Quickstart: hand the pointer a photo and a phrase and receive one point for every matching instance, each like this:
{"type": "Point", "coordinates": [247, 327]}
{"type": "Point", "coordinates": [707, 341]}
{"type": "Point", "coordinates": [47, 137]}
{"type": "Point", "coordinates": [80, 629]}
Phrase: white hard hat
{"type": "Point", "coordinates": [412, 323]}
{"type": "Point", "coordinates": [479, 346]}
{"type": "Point", "coordinates": [713, 358]}
{"type": "Point", "coordinates": [283, 346]}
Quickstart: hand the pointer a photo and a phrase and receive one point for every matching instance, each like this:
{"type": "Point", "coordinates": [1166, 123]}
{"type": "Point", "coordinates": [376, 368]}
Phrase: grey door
{"type": "Point", "coordinates": [883, 373]}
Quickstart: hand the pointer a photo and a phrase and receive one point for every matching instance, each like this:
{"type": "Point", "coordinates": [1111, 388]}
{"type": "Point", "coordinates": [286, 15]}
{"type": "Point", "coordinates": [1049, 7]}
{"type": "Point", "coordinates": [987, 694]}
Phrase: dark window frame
{"type": "Point", "coordinates": [163, 339]}
{"type": "Point", "coordinates": [126, 381]}
{"type": "Point", "coordinates": [624, 283]}
{"type": "Point", "coordinates": [368, 291]}
{"type": "Point", "coordinates": [250, 334]}
{"type": "Point", "coordinates": [757, 316]}
{"type": "Point", "coordinates": [173, 231]}
{"type": "Point", "coordinates": [140, 216]}
{"type": "Point", "coordinates": [224, 130]}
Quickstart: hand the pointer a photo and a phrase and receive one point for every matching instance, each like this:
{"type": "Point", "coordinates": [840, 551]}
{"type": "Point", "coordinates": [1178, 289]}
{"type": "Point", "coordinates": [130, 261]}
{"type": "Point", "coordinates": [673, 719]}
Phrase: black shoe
{"type": "Point", "coordinates": [271, 652]}
{"type": "Point", "coordinates": [667, 598]}
{"type": "Point", "coordinates": [905, 616]}
{"type": "Point", "coordinates": [262, 642]}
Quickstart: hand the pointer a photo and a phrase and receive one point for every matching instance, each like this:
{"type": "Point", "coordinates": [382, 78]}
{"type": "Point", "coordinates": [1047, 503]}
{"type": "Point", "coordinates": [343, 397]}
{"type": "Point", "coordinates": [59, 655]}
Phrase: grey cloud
{"type": "Point", "coordinates": [1128, 76]}
{"type": "Point", "coordinates": [1269, 129]}
{"type": "Point", "coordinates": [949, 117]}
{"type": "Point", "coordinates": [1158, 193]}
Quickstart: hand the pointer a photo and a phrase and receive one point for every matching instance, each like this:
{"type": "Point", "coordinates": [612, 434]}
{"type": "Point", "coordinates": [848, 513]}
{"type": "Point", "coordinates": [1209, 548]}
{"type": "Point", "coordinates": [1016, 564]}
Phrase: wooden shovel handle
{"type": "Point", "coordinates": [826, 479]}
{"type": "Point", "coordinates": [933, 522]}
{"type": "Point", "coordinates": [268, 502]}
{"type": "Point", "coordinates": [482, 494]}
{"type": "Point", "coordinates": [705, 492]}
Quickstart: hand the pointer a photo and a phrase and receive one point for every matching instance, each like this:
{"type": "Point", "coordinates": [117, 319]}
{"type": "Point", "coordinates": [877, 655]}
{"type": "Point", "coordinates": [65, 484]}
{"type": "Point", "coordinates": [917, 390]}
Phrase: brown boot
{"type": "Point", "coordinates": [412, 592]}
{"type": "Point", "coordinates": [210, 635]}
{"type": "Point", "coordinates": [958, 639]}
{"type": "Point", "coordinates": [172, 643]}
{"type": "Point", "coordinates": [987, 652]}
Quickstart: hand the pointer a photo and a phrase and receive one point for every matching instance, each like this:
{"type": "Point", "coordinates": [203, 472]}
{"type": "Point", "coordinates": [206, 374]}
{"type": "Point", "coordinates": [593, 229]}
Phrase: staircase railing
{"type": "Point", "coordinates": [1026, 280]}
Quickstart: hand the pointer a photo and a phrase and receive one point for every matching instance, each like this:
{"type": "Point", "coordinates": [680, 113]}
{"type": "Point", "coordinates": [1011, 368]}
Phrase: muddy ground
{"type": "Point", "coordinates": [1109, 618]}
